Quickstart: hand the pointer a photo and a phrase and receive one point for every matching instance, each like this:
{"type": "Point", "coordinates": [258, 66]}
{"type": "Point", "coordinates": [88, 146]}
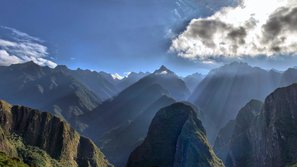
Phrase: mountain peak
{"type": "Point", "coordinates": [176, 135]}
{"type": "Point", "coordinates": [236, 68]}
{"type": "Point", "coordinates": [26, 65]}
{"type": "Point", "coordinates": [163, 71]}
{"type": "Point", "coordinates": [61, 67]}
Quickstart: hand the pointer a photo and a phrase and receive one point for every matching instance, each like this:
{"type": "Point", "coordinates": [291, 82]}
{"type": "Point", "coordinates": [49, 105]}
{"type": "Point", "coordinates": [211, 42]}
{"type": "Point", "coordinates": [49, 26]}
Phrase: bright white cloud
{"type": "Point", "coordinates": [21, 47]}
{"type": "Point", "coordinates": [265, 27]}
{"type": "Point", "coordinates": [117, 76]}
{"type": "Point", "coordinates": [6, 59]}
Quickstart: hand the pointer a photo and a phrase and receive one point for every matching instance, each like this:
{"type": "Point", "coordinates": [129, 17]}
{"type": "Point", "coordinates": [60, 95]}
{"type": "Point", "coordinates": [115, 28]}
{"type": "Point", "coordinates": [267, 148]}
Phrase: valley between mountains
{"type": "Point", "coordinates": [235, 116]}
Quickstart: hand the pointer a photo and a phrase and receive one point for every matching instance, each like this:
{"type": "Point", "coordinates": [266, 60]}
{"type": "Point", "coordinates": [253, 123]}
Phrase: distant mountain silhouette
{"type": "Point", "coordinates": [132, 78]}
{"type": "Point", "coordinates": [98, 83]}
{"type": "Point", "coordinates": [193, 80]}
{"type": "Point", "coordinates": [48, 89]}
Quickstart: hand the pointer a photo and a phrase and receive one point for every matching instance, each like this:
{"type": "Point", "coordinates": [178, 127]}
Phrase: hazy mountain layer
{"type": "Point", "coordinates": [130, 134]}
{"type": "Point", "coordinates": [234, 134]}
{"type": "Point", "coordinates": [47, 89]}
{"type": "Point", "coordinates": [135, 106]}
{"type": "Point", "coordinates": [193, 80]}
{"type": "Point", "coordinates": [98, 83]}
{"type": "Point", "coordinates": [222, 93]}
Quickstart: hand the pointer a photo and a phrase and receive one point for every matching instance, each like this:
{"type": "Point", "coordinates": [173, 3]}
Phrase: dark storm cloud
{"type": "Point", "coordinates": [205, 29]}
{"type": "Point", "coordinates": [280, 24]}
{"type": "Point", "coordinates": [244, 31]}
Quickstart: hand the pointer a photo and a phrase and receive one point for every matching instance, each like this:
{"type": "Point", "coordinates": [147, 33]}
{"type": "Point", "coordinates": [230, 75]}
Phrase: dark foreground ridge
{"type": "Point", "coordinates": [176, 138]}
{"type": "Point", "coordinates": [267, 138]}
{"type": "Point", "coordinates": [40, 139]}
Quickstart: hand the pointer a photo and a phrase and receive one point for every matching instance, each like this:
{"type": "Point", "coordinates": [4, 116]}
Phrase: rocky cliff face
{"type": "Point", "coordinates": [41, 139]}
{"type": "Point", "coordinates": [267, 138]}
{"type": "Point", "coordinates": [240, 144]}
{"type": "Point", "coordinates": [274, 132]}
{"type": "Point", "coordinates": [175, 138]}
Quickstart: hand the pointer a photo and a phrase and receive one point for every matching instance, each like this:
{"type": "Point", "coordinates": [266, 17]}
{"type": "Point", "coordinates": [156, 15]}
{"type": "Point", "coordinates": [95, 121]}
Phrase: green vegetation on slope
{"type": "Point", "coordinates": [6, 161]}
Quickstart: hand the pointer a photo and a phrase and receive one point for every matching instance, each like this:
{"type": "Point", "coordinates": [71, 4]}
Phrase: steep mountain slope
{"type": "Point", "coordinates": [170, 81]}
{"type": "Point", "coordinates": [47, 89]}
{"type": "Point", "coordinates": [131, 133]}
{"type": "Point", "coordinates": [40, 139]}
{"type": "Point", "coordinates": [11, 162]}
{"type": "Point", "coordinates": [132, 78]}
{"type": "Point", "coordinates": [135, 99]}
{"type": "Point", "coordinates": [123, 108]}
{"type": "Point", "coordinates": [234, 134]}
{"type": "Point", "coordinates": [175, 138]}
{"type": "Point", "coordinates": [268, 138]}
{"type": "Point", "coordinates": [226, 89]}
{"type": "Point", "coordinates": [120, 112]}
{"type": "Point", "coordinates": [131, 104]}
{"type": "Point", "coordinates": [223, 140]}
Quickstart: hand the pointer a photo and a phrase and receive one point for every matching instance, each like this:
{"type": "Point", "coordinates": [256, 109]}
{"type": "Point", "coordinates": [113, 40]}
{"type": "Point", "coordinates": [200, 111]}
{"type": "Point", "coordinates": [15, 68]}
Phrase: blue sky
{"type": "Point", "coordinates": [119, 36]}
{"type": "Point", "coordinates": [109, 35]}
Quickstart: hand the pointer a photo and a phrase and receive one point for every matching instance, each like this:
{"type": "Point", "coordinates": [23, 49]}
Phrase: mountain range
{"type": "Point", "coordinates": [131, 119]}
{"type": "Point", "coordinates": [135, 106]}
{"type": "Point", "coordinates": [226, 89]}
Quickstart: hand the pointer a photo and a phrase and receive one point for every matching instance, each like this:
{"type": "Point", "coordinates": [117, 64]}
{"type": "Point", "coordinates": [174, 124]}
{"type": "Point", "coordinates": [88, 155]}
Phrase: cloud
{"type": "Point", "coordinates": [117, 76]}
{"type": "Point", "coordinates": [19, 47]}
{"type": "Point", "coordinates": [6, 59]}
{"type": "Point", "coordinates": [252, 29]}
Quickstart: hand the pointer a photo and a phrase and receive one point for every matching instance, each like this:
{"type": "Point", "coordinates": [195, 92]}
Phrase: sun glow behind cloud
{"type": "Point", "coordinates": [266, 27]}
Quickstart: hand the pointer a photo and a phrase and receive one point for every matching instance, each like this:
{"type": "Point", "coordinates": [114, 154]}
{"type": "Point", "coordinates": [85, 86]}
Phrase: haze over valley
{"type": "Point", "coordinates": [183, 83]}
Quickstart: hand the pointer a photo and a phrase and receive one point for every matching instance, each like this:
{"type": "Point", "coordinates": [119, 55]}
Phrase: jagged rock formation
{"type": "Point", "coordinates": [175, 138]}
{"type": "Point", "coordinates": [41, 139]}
{"type": "Point", "coordinates": [267, 138]}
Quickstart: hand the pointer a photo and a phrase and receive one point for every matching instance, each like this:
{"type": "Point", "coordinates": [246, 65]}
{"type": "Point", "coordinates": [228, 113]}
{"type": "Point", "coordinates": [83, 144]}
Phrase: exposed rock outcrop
{"type": "Point", "coordinates": [176, 138]}
{"type": "Point", "coordinates": [266, 136]}
{"type": "Point", "coordinates": [30, 134]}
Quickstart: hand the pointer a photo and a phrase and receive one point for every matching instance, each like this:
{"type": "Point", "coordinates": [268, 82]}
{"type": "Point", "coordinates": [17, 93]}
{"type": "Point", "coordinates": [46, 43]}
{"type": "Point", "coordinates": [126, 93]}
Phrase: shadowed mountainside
{"type": "Point", "coordinates": [266, 138]}
{"type": "Point", "coordinates": [175, 138]}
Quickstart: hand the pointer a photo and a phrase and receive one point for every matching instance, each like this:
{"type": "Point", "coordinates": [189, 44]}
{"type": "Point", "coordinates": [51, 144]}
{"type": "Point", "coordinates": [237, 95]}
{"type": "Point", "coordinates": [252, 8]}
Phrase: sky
{"type": "Point", "coordinates": [119, 36]}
